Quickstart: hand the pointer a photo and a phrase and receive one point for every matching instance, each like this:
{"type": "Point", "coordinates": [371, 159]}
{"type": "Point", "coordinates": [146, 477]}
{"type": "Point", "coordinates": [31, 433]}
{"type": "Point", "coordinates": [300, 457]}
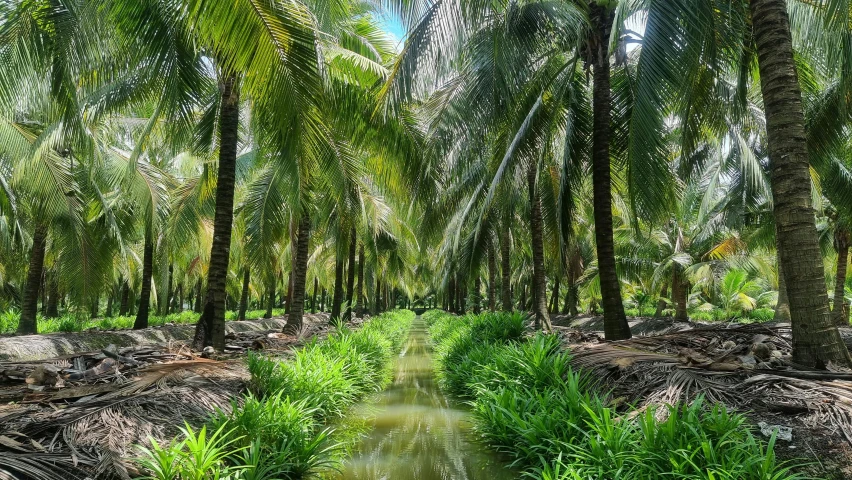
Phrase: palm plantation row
{"type": "Point", "coordinates": [680, 155]}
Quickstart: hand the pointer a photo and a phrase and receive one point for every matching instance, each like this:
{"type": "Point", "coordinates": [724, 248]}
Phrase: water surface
{"type": "Point", "coordinates": [418, 433]}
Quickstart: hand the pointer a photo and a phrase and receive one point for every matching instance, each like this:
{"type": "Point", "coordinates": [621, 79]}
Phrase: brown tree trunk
{"type": "Point", "coordinates": [125, 298]}
{"type": "Point", "coordinates": [477, 287]}
{"type": "Point", "coordinates": [680, 293]}
{"type": "Point", "coordinates": [300, 276]}
{"type": "Point", "coordinates": [554, 308]}
{"type": "Point", "coordinates": [377, 293]}
{"type": "Point", "coordinates": [841, 312]}
{"type": "Point", "coordinates": [108, 313]}
{"type": "Point", "coordinates": [661, 304]}
{"type": "Point", "coordinates": [492, 275]}
{"type": "Point", "coordinates": [451, 293]}
{"type": "Point", "coordinates": [141, 320]}
{"type": "Point", "coordinates": [350, 280]}
{"type": "Point", "coordinates": [28, 324]}
{"type": "Point", "coordinates": [53, 296]}
{"type": "Point", "coordinates": [816, 340]}
{"type": "Point", "coordinates": [615, 321]}
{"type": "Point", "coordinates": [505, 266]}
{"type": "Point", "coordinates": [337, 301]}
{"type": "Point", "coordinates": [523, 304]}
{"type": "Point", "coordinates": [95, 302]}
{"type": "Point", "coordinates": [167, 307]}
{"type": "Point", "coordinates": [241, 314]}
{"type": "Point", "coordinates": [270, 297]}
{"type": "Point", "coordinates": [178, 306]}
{"type": "Point", "coordinates": [198, 299]}
{"type": "Point", "coordinates": [359, 290]}
{"type": "Point", "coordinates": [322, 299]}
{"type": "Point", "coordinates": [289, 297]}
{"type": "Point", "coordinates": [314, 297]}
{"type": "Point", "coordinates": [782, 306]}
{"type": "Point", "coordinates": [211, 325]}
{"type": "Point", "coordinates": [539, 306]}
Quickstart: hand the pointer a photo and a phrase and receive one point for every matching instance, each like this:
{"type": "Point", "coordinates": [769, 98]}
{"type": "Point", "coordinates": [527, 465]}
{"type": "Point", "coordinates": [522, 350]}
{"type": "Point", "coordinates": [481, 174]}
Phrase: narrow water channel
{"type": "Point", "coordinates": [418, 433]}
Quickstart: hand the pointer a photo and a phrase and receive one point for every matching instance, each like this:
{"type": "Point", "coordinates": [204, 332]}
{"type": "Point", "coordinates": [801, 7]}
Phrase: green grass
{"type": "Point", "coordinates": [78, 323]}
{"type": "Point", "coordinates": [282, 428]}
{"type": "Point", "coordinates": [554, 424]}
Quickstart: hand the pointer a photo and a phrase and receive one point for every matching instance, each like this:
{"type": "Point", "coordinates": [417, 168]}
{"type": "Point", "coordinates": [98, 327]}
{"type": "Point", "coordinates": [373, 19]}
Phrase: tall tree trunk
{"type": "Point", "coordinates": [289, 301]}
{"type": "Point", "coordinates": [555, 296]}
{"type": "Point", "coordinates": [198, 297]}
{"type": "Point", "coordinates": [43, 289]}
{"type": "Point", "coordinates": [314, 297]}
{"type": "Point", "coordinates": [53, 296]}
{"type": "Point", "coordinates": [337, 301]}
{"type": "Point", "coordinates": [108, 313]}
{"type": "Point", "coordinates": [125, 298]}
{"type": "Point", "coordinates": [680, 294]}
{"type": "Point", "coordinates": [523, 304]}
{"type": "Point", "coordinates": [661, 303]}
{"type": "Point", "coordinates": [492, 275]}
{"type": "Point", "coordinates": [241, 314]}
{"type": "Point", "coordinates": [542, 317]}
{"type": "Point", "coordinates": [322, 299]}
{"type": "Point", "coordinates": [95, 302]}
{"type": "Point", "coordinates": [451, 293]}
{"type": "Point", "coordinates": [572, 298]}
{"type": "Point", "coordinates": [178, 306]}
{"type": "Point", "coordinates": [300, 276]}
{"type": "Point", "coordinates": [377, 293]}
{"type": "Point", "coordinates": [350, 281]}
{"type": "Point", "coordinates": [147, 272]}
{"type": "Point", "coordinates": [477, 287]}
{"type": "Point", "coordinates": [169, 292]}
{"type": "Point", "coordinates": [782, 306]}
{"type": "Point", "coordinates": [505, 266]}
{"type": "Point", "coordinates": [28, 324]}
{"type": "Point", "coordinates": [359, 290]}
{"type": "Point", "coordinates": [615, 321]}
{"type": "Point", "coordinates": [270, 297]}
{"type": "Point", "coordinates": [211, 324]}
{"type": "Point", "coordinates": [841, 243]}
{"type": "Point", "coordinates": [816, 340]}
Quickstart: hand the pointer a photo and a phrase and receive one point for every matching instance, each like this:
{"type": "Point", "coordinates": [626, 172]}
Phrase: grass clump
{"type": "Point", "coordinates": [553, 423]}
{"type": "Point", "coordinates": [281, 429]}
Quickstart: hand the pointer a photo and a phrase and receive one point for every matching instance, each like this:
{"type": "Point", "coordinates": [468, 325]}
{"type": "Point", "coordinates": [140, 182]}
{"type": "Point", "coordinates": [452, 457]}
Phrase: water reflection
{"type": "Point", "coordinates": [418, 434]}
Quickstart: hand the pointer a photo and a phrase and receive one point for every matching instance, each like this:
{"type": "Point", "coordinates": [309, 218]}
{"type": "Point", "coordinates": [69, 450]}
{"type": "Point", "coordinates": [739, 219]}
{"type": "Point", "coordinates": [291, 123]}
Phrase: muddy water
{"type": "Point", "coordinates": [419, 434]}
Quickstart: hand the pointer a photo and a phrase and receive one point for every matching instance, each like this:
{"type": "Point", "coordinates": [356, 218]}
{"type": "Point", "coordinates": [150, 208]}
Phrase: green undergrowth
{"type": "Point", "coordinates": [289, 425]}
{"type": "Point", "coordinates": [78, 323]}
{"type": "Point", "coordinates": [553, 422]}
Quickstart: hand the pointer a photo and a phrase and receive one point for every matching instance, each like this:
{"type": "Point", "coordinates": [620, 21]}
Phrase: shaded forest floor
{"type": "Point", "coordinates": [746, 367]}
{"type": "Point", "coordinates": [81, 412]}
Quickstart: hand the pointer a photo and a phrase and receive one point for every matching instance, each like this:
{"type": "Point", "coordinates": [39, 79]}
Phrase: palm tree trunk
{"type": "Point", "coordinates": [169, 293]}
{"type": "Point", "coordinates": [241, 315]}
{"type": "Point", "coordinates": [337, 301]}
{"type": "Point", "coordinates": [125, 298]}
{"type": "Point", "coordinates": [322, 299]}
{"type": "Point", "coordinates": [95, 302]}
{"type": "Point", "coordinates": [211, 324]}
{"type": "Point", "coordinates": [615, 321]}
{"type": "Point", "coordinates": [198, 294]}
{"type": "Point", "coordinates": [477, 287]}
{"type": "Point", "coordinates": [377, 294]}
{"type": "Point", "coordinates": [506, 280]}
{"type": "Point", "coordinates": [53, 297]}
{"type": "Point", "coordinates": [542, 317]}
{"type": "Point", "coordinates": [661, 304]}
{"type": "Point", "coordinates": [314, 297]}
{"type": "Point", "coordinates": [270, 297]}
{"type": "Point", "coordinates": [782, 306]}
{"type": "Point", "coordinates": [523, 305]}
{"type": "Point", "coordinates": [359, 290]}
{"type": "Point", "coordinates": [816, 340]}
{"type": "Point", "coordinates": [680, 294]}
{"type": "Point", "coordinates": [108, 313]}
{"type": "Point", "coordinates": [147, 272]}
{"type": "Point", "coordinates": [350, 281]}
{"type": "Point", "coordinates": [554, 298]}
{"type": "Point", "coordinates": [492, 275]}
{"type": "Point", "coordinates": [300, 277]}
{"type": "Point", "coordinates": [840, 312]}
{"type": "Point", "coordinates": [28, 324]}
{"type": "Point", "coordinates": [178, 306]}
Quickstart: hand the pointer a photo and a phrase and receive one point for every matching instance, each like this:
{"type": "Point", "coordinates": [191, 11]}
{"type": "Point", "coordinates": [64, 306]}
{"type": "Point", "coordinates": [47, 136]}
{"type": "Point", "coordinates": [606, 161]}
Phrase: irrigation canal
{"type": "Point", "coordinates": [417, 432]}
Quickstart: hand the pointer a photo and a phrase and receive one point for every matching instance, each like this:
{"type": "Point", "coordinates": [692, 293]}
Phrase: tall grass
{"type": "Point", "coordinates": [552, 422]}
{"type": "Point", "coordinates": [280, 430]}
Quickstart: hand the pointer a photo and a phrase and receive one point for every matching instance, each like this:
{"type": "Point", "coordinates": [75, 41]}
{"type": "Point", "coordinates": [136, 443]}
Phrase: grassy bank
{"type": "Point", "coordinates": [280, 430]}
{"type": "Point", "coordinates": [554, 424]}
{"type": "Point", "coordinates": [78, 323]}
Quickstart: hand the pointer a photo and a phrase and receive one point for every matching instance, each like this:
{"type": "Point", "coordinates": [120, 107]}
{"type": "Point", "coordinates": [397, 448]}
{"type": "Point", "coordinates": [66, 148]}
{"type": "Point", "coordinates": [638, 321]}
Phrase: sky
{"type": "Point", "coordinates": [393, 25]}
